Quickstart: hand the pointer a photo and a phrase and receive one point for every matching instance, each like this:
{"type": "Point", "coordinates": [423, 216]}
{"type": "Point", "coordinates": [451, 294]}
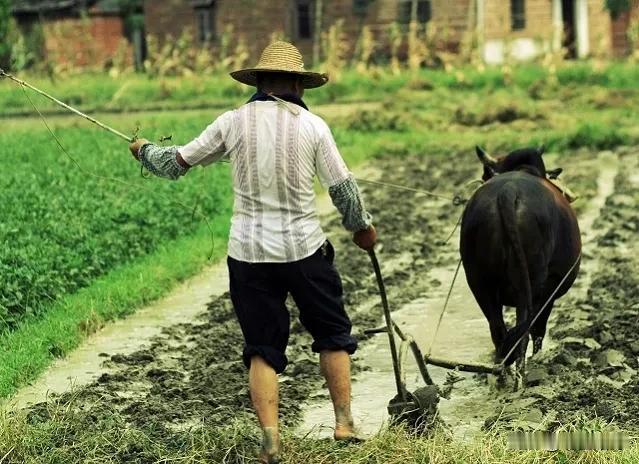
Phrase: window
{"type": "Point", "coordinates": [518, 14]}
{"type": "Point", "coordinates": [205, 20]}
{"type": "Point", "coordinates": [305, 19]}
{"type": "Point", "coordinates": [360, 7]}
{"type": "Point", "coordinates": [405, 10]}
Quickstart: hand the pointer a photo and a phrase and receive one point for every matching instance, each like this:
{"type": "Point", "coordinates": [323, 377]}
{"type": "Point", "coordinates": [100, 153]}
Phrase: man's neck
{"type": "Point", "coordinates": [292, 98]}
{"type": "Point", "coordinates": [284, 90]}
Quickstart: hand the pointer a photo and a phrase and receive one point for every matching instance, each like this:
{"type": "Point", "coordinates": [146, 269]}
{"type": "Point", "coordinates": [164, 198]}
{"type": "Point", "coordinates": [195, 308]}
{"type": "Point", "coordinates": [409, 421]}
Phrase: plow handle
{"type": "Point", "coordinates": [401, 390]}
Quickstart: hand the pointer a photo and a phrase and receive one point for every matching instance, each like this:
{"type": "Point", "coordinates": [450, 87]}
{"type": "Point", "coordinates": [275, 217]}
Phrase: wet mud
{"type": "Point", "coordinates": [191, 374]}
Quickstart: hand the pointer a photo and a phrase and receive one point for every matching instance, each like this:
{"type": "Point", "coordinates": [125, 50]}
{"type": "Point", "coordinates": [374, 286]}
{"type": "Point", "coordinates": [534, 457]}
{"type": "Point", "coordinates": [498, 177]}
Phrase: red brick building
{"type": "Point", "coordinates": [621, 26]}
{"type": "Point", "coordinates": [520, 29]}
{"type": "Point", "coordinates": [75, 32]}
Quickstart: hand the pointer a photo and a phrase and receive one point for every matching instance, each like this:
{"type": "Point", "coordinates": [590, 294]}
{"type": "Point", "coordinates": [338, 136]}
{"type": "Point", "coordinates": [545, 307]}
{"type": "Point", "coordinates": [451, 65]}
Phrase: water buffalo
{"type": "Point", "coordinates": [519, 239]}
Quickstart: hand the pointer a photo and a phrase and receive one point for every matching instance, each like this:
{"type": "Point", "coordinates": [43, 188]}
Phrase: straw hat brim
{"type": "Point", "coordinates": [310, 80]}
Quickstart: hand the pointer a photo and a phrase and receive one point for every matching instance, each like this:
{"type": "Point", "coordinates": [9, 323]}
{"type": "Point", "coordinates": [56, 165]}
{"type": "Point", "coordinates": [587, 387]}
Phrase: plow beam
{"type": "Point", "coordinates": [465, 366]}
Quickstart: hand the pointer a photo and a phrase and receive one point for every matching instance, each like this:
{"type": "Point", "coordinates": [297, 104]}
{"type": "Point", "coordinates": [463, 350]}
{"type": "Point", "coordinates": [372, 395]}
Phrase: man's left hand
{"type": "Point", "coordinates": [135, 147]}
{"type": "Point", "coordinates": [365, 239]}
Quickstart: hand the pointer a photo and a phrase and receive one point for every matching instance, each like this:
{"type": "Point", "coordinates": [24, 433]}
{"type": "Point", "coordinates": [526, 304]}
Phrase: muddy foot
{"type": "Point", "coordinates": [264, 459]}
{"type": "Point", "coordinates": [346, 434]}
{"type": "Point", "coordinates": [269, 454]}
{"type": "Point", "coordinates": [352, 439]}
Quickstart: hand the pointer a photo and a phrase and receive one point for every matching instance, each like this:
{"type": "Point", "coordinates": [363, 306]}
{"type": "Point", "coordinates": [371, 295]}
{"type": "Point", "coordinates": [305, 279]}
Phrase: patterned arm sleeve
{"type": "Point", "coordinates": [342, 188]}
{"type": "Point", "coordinates": [348, 201]}
{"type": "Point", "coordinates": [161, 161]}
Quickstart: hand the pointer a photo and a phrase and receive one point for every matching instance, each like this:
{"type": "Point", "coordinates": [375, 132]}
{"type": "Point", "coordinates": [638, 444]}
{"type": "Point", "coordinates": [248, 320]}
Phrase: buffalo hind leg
{"type": "Point", "coordinates": [493, 311]}
{"type": "Point", "coordinates": [538, 329]}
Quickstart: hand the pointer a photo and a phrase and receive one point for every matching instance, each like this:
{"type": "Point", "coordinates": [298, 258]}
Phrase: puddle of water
{"type": "Point", "coordinates": [125, 336]}
{"type": "Point", "coordinates": [608, 167]}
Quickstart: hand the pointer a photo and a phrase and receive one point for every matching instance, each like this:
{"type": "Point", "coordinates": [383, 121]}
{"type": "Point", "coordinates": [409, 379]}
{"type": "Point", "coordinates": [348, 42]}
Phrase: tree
{"type": "Point", "coordinates": [616, 7]}
{"type": "Point", "coordinates": [132, 12]}
{"type": "Point", "coordinates": [5, 43]}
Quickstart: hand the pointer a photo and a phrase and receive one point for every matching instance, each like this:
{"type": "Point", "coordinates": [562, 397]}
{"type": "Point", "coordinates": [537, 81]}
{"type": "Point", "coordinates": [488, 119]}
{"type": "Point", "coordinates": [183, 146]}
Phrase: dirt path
{"type": "Point", "coordinates": [190, 375]}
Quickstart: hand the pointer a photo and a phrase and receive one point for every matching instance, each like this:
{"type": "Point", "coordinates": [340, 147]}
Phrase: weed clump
{"type": "Point", "coordinates": [374, 121]}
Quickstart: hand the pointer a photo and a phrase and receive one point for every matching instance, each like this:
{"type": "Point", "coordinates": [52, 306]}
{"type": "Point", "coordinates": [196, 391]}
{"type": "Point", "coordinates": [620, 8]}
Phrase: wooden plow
{"type": "Point", "coordinates": [419, 407]}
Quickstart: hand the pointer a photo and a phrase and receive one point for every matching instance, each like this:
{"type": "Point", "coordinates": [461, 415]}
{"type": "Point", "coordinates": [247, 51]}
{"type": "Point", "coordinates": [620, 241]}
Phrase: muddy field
{"type": "Point", "coordinates": [191, 375]}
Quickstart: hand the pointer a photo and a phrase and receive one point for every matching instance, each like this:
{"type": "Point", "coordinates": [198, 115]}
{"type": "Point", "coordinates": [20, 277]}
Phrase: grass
{"type": "Point", "coordinates": [71, 223]}
{"type": "Point", "coordinates": [58, 435]}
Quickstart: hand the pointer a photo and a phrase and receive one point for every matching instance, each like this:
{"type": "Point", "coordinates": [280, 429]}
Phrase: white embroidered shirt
{"type": "Point", "coordinates": [276, 149]}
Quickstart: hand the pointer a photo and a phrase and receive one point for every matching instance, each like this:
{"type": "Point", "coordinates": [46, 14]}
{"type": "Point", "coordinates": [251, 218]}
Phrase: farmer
{"type": "Point", "coordinates": [276, 246]}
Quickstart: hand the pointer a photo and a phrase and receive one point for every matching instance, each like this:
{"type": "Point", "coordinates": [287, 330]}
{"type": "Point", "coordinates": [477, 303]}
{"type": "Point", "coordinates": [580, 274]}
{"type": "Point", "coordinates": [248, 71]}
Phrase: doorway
{"type": "Point", "coordinates": [569, 40]}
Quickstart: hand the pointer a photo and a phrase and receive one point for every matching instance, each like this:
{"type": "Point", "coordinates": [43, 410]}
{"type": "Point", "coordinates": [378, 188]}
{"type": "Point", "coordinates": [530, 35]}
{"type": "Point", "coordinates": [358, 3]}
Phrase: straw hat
{"type": "Point", "coordinates": [281, 57]}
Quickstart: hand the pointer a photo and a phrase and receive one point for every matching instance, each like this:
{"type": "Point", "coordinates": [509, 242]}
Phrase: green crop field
{"type": "Point", "coordinates": [67, 224]}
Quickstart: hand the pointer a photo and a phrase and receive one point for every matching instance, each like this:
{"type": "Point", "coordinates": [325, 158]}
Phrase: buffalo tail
{"type": "Point", "coordinates": [507, 203]}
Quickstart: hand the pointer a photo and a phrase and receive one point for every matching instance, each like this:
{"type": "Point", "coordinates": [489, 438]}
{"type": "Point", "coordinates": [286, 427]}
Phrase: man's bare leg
{"type": "Point", "coordinates": [265, 397]}
{"type": "Point", "coordinates": [336, 369]}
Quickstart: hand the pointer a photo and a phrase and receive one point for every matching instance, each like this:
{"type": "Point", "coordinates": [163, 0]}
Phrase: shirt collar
{"type": "Point", "coordinates": [261, 96]}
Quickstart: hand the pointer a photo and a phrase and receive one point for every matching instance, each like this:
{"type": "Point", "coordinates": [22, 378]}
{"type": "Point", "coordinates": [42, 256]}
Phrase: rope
{"type": "Point", "coordinates": [64, 105]}
{"type": "Point", "coordinates": [452, 232]}
{"type": "Point", "coordinates": [441, 316]}
{"type": "Point", "coordinates": [456, 200]}
{"type": "Point", "coordinates": [479, 182]}
{"type": "Point", "coordinates": [550, 298]}
{"type": "Point", "coordinates": [113, 179]}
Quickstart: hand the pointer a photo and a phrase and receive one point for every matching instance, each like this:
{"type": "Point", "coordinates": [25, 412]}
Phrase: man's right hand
{"type": "Point", "coordinates": [135, 147]}
{"type": "Point", "coordinates": [365, 239]}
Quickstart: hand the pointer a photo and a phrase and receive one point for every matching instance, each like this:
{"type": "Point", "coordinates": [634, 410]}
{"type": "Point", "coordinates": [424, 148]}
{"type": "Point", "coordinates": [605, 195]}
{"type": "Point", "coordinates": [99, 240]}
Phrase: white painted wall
{"type": "Point", "coordinates": [494, 51]}
{"type": "Point", "coordinates": [521, 49]}
{"type": "Point", "coordinates": [557, 24]}
{"type": "Point", "coordinates": [581, 18]}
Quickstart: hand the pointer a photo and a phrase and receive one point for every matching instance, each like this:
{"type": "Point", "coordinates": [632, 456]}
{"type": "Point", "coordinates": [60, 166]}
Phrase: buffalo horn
{"type": "Point", "coordinates": [485, 158]}
{"type": "Point", "coordinates": [541, 149]}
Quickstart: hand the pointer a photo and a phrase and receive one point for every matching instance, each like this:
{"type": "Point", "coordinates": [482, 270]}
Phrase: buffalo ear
{"type": "Point", "coordinates": [541, 149]}
{"type": "Point", "coordinates": [485, 158]}
{"type": "Point", "coordinates": [554, 173]}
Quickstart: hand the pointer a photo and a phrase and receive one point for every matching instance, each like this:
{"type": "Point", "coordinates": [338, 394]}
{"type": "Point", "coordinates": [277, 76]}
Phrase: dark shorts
{"type": "Point", "coordinates": [259, 292]}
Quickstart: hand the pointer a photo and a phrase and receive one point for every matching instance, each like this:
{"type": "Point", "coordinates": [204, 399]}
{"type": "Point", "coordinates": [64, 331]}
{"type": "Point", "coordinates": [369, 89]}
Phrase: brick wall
{"type": "Point", "coordinates": [168, 17]}
{"type": "Point", "coordinates": [256, 23]}
{"type": "Point", "coordinates": [620, 43]}
{"type": "Point", "coordinates": [600, 29]}
{"type": "Point", "coordinates": [256, 20]}
{"type": "Point", "coordinates": [87, 42]}
{"type": "Point", "coordinates": [538, 20]}
{"type": "Point", "coordinates": [454, 19]}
